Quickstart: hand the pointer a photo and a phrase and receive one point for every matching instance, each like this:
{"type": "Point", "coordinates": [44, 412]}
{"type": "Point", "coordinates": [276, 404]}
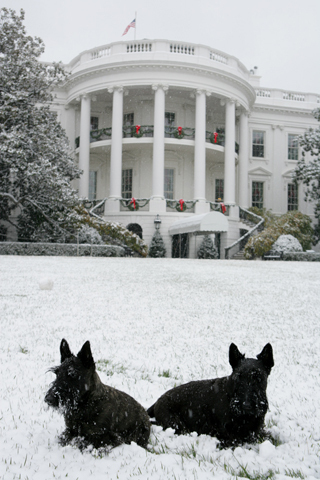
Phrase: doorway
{"type": "Point", "coordinates": [180, 245]}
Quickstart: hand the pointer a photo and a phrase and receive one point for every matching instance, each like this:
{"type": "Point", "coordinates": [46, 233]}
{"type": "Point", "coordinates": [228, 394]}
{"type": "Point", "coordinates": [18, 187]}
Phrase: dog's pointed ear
{"type": "Point", "coordinates": [85, 355]}
{"type": "Point", "coordinates": [235, 356]}
{"type": "Point", "coordinates": [266, 356]}
{"type": "Point", "coordinates": [65, 351]}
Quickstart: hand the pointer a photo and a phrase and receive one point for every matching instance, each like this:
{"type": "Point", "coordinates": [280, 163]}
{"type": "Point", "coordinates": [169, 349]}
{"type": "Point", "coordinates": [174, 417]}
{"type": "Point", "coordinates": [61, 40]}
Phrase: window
{"type": "Point", "coordinates": [257, 194]}
{"type": "Point", "coordinates": [219, 190]}
{"type": "Point", "coordinates": [293, 147]}
{"type": "Point", "coordinates": [92, 185]}
{"type": "Point", "coordinates": [126, 190]}
{"type": "Point", "coordinates": [169, 118]}
{"type": "Point", "coordinates": [257, 144]}
{"type": "Point", "coordinates": [128, 122]}
{"type": "Point", "coordinates": [293, 203]}
{"type": "Point", "coordinates": [168, 183]}
{"type": "Point", "coordinates": [94, 123]}
{"type": "Point", "coordinates": [169, 121]}
{"type": "Point", "coordinates": [128, 119]}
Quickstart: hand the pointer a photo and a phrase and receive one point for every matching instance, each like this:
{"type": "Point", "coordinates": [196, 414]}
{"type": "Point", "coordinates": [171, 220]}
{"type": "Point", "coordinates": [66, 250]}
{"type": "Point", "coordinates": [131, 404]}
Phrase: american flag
{"type": "Point", "coordinates": [132, 24]}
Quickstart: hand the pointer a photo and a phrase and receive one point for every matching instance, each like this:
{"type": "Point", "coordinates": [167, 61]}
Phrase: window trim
{"type": "Point", "coordinates": [295, 204]}
{"type": "Point", "coordinates": [93, 182]}
{"type": "Point", "coordinates": [293, 148]}
{"type": "Point", "coordinates": [221, 186]}
{"type": "Point", "coordinates": [173, 183]}
{"type": "Point", "coordinates": [257, 145]}
{"type": "Point", "coordinates": [126, 193]}
{"type": "Point", "coordinates": [91, 123]}
{"type": "Point", "coordinates": [261, 205]}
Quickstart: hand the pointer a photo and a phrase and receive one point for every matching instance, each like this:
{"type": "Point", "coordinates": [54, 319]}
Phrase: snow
{"type": "Point", "coordinates": [154, 324]}
{"type": "Point", "coordinates": [286, 244]}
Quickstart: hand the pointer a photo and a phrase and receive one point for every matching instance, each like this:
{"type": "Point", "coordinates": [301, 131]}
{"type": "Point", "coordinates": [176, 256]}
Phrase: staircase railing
{"type": "Point", "coordinates": [239, 244]}
{"type": "Point", "coordinates": [98, 208]}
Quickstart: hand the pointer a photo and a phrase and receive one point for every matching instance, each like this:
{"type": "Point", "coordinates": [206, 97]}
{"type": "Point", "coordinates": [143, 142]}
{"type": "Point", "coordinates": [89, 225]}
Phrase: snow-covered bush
{"type": "Point", "coordinates": [113, 233]}
{"type": "Point", "coordinates": [89, 235]}
{"type": "Point", "coordinates": [292, 223]}
{"type": "Point", "coordinates": [207, 250]}
{"type": "Point", "coordinates": [60, 249]}
{"type": "Point", "coordinates": [286, 244]}
{"type": "Point", "coordinates": [157, 248]}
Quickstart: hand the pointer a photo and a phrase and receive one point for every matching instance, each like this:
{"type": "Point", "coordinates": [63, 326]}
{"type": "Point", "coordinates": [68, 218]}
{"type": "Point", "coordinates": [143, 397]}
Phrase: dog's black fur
{"type": "Point", "coordinates": [95, 414]}
{"type": "Point", "coordinates": [229, 408]}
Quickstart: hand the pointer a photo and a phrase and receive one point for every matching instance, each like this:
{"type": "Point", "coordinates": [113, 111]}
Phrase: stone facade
{"type": "Point", "coordinates": [156, 120]}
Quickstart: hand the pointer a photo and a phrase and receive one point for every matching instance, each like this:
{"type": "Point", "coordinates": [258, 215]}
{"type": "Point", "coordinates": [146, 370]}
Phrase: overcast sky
{"type": "Point", "coordinates": [281, 37]}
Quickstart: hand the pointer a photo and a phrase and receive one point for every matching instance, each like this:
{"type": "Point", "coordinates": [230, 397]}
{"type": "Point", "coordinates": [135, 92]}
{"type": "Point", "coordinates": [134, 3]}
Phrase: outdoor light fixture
{"type": "Point", "coordinates": [157, 222]}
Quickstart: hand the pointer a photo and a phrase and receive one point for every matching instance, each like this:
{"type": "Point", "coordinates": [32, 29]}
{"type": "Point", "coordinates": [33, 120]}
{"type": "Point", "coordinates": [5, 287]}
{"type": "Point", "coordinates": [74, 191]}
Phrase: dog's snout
{"type": "Point", "coordinates": [52, 399]}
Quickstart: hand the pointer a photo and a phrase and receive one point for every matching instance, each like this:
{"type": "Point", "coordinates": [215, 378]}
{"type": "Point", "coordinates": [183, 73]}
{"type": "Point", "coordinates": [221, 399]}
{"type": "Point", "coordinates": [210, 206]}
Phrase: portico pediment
{"type": "Point", "coordinates": [260, 171]}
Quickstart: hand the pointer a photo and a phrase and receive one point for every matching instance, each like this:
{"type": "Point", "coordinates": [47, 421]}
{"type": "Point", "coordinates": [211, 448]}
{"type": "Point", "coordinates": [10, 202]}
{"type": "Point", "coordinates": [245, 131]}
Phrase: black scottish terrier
{"type": "Point", "coordinates": [229, 408]}
{"type": "Point", "coordinates": [94, 413]}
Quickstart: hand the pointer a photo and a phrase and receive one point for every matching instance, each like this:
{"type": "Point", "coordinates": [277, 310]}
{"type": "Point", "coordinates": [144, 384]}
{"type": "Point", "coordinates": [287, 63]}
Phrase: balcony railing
{"type": "Point", "coordinates": [179, 132]}
{"type": "Point", "coordinates": [220, 207]}
{"type": "Point", "coordinates": [137, 131]}
{"type": "Point", "coordinates": [134, 204]}
{"type": "Point", "coordinates": [147, 131]}
{"type": "Point", "coordinates": [181, 205]}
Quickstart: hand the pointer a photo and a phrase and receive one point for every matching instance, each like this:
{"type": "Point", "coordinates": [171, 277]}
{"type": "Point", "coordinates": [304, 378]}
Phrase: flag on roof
{"type": "Point", "coordinates": [132, 24]}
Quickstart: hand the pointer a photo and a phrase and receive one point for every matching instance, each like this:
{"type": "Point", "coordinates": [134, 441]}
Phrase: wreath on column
{"type": "Point", "coordinates": [138, 132]}
{"type": "Point", "coordinates": [181, 206]}
{"type": "Point", "coordinates": [214, 137]}
{"type": "Point", "coordinates": [133, 205]}
{"type": "Point", "coordinates": [179, 133]}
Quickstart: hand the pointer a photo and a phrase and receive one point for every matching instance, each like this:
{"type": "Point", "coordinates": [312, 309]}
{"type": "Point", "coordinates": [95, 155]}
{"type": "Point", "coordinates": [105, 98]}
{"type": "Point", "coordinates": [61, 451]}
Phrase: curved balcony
{"type": "Point", "coordinates": [146, 131]}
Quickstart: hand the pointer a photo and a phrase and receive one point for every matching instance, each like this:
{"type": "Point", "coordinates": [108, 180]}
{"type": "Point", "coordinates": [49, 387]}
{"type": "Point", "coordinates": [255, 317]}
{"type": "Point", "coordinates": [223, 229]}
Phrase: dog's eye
{"type": "Point", "coordinates": [72, 373]}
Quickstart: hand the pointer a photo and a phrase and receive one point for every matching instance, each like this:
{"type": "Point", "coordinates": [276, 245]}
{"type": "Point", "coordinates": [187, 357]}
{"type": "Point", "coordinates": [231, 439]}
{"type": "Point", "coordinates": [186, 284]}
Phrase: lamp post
{"type": "Point", "coordinates": [157, 222]}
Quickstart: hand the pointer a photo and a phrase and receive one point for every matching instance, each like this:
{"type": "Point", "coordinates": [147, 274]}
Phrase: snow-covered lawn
{"type": "Point", "coordinates": [154, 324]}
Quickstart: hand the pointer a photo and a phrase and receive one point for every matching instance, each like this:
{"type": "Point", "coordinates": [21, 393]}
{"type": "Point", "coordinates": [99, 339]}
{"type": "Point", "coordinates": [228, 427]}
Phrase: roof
{"type": "Point", "coordinates": [213, 222]}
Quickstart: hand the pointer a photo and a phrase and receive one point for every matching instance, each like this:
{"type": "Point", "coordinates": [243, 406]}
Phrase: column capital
{"type": "Point", "coordinates": [200, 91]}
{"type": "Point", "coordinates": [157, 86]}
{"type": "Point", "coordinates": [119, 88]}
{"type": "Point", "coordinates": [225, 101]}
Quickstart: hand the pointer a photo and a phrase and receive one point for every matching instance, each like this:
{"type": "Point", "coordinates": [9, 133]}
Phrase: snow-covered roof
{"type": "Point", "coordinates": [212, 222]}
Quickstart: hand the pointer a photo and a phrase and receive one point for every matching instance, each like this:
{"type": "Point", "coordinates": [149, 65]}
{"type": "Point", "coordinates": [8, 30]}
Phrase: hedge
{"type": "Point", "coordinates": [301, 257]}
{"type": "Point", "coordinates": [61, 249]}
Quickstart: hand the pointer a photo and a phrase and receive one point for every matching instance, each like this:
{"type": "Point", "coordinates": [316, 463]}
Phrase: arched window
{"type": "Point", "coordinates": [135, 228]}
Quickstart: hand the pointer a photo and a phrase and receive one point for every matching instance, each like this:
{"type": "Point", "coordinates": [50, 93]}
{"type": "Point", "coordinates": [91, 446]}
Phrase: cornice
{"type": "Point", "coordinates": [280, 109]}
{"type": "Point", "coordinates": [227, 77]}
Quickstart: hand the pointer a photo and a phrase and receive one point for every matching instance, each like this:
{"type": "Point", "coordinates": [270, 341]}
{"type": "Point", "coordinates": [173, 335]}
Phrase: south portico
{"type": "Point", "coordinates": [200, 145]}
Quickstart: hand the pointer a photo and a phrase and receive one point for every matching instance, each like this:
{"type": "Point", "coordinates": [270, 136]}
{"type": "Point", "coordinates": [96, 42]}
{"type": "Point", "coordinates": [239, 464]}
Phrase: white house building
{"type": "Point", "coordinates": [170, 134]}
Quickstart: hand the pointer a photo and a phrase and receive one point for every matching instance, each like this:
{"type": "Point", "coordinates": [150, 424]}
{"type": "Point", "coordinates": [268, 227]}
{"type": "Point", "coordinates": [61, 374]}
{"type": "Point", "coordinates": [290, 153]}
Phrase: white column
{"type": "Point", "coordinates": [199, 192]}
{"type": "Point", "coordinates": [158, 142]}
{"type": "Point", "coordinates": [200, 148]}
{"type": "Point", "coordinates": [229, 154]}
{"type": "Point", "coordinates": [157, 202]}
{"type": "Point", "coordinates": [84, 154]}
{"type": "Point", "coordinates": [243, 161]}
{"type": "Point", "coordinates": [116, 144]}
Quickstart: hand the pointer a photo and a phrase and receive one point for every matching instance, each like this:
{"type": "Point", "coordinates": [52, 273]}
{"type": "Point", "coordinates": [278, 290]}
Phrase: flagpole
{"type": "Point", "coordinates": [135, 30]}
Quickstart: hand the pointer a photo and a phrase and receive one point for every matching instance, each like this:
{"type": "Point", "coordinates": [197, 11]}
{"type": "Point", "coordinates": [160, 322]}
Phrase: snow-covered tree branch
{"type": "Point", "coordinates": [36, 166]}
{"type": "Point", "coordinates": [308, 172]}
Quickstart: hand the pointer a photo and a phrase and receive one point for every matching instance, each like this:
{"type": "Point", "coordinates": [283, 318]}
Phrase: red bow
{"type": "Point", "coordinates": [179, 130]}
{"type": "Point", "coordinates": [223, 207]}
{"type": "Point", "coordinates": [137, 129]}
{"type": "Point", "coordinates": [215, 137]}
{"type": "Point", "coordinates": [181, 204]}
{"type": "Point", "coordinates": [133, 200]}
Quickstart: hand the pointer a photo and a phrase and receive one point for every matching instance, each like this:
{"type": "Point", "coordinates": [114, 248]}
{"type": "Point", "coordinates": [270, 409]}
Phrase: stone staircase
{"type": "Point", "coordinates": [239, 255]}
{"type": "Point", "coordinates": [255, 223]}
